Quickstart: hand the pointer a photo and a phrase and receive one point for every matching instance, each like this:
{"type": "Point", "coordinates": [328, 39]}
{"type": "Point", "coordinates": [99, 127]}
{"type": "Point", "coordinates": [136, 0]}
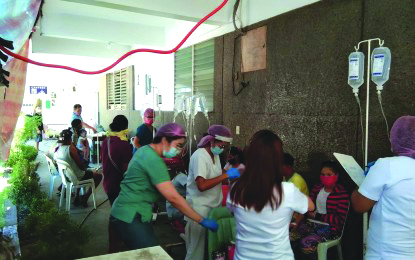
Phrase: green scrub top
{"type": "Point", "coordinates": [138, 188]}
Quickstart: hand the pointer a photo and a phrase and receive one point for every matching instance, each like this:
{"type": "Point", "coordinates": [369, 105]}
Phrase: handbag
{"type": "Point", "coordinates": [109, 156]}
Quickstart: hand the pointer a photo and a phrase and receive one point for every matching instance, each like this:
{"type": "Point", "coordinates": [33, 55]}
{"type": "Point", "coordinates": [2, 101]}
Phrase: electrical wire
{"type": "Point", "coordinates": [80, 225]}
{"type": "Point", "coordinates": [383, 113]}
{"type": "Point", "coordinates": [361, 125]}
{"type": "Point", "coordinates": [25, 59]}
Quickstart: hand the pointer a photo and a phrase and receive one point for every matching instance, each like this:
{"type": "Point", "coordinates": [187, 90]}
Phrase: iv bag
{"type": "Point", "coordinates": [381, 64]}
{"type": "Point", "coordinates": [356, 70]}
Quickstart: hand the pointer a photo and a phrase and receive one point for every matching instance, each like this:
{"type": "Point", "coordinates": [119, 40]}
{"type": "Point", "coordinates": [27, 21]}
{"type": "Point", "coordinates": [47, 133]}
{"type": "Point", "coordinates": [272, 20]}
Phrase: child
{"type": "Point", "coordinates": [83, 145]}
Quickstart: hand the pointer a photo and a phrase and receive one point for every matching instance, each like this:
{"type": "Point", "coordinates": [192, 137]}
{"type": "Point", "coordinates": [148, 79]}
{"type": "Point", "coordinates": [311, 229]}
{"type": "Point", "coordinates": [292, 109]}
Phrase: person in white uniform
{"type": "Point", "coordinates": [389, 189]}
{"type": "Point", "coordinates": [263, 204]}
{"type": "Point", "coordinates": [204, 185]}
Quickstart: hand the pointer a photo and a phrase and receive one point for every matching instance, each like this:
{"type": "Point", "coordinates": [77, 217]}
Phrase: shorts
{"type": "Point", "coordinates": [38, 138]}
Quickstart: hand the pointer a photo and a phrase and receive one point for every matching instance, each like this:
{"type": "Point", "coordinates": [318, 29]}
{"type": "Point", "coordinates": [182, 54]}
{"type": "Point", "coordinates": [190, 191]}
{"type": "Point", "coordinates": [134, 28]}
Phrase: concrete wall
{"type": "Point", "coordinates": [303, 94]}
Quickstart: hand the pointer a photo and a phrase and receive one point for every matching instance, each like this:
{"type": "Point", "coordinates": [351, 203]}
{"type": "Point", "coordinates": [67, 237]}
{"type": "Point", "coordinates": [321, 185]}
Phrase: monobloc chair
{"type": "Point", "coordinates": [323, 247]}
{"type": "Point", "coordinates": [53, 174]}
{"type": "Point", "coordinates": [226, 232]}
{"type": "Point", "coordinates": [69, 181]}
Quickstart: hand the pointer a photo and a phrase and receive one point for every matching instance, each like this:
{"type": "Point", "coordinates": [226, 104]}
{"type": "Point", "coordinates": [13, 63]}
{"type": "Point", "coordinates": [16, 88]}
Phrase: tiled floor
{"type": "Point", "coordinates": [97, 220]}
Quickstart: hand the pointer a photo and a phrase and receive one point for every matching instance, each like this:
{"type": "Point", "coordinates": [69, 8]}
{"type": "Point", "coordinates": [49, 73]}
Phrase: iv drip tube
{"type": "Point", "coordinates": [361, 124]}
{"type": "Point", "coordinates": [383, 113]}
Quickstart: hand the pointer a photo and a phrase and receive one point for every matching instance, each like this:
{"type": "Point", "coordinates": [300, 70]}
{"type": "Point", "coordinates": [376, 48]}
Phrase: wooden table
{"type": "Point", "coordinates": [149, 253]}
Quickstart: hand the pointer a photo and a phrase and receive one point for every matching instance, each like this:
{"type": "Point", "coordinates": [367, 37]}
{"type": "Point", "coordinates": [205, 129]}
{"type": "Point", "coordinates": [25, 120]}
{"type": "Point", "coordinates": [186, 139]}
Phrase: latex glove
{"type": "Point", "coordinates": [233, 173]}
{"type": "Point", "coordinates": [209, 224]}
{"type": "Point", "coordinates": [369, 165]}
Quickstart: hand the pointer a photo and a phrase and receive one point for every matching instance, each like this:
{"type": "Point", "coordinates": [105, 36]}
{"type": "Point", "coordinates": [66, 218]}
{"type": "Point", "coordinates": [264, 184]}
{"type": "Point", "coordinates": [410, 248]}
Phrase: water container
{"type": "Point", "coordinates": [381, 64]}
{"type": "Point", "coordinates": [356, 70]}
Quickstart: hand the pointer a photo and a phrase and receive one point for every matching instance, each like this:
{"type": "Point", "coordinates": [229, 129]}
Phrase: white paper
{"type": "Point", "coordinates": [351, 167]}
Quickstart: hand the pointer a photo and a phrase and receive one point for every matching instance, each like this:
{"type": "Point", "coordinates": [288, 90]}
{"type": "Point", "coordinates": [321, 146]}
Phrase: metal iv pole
{"type": "Point", "coordinates": [365, 215]}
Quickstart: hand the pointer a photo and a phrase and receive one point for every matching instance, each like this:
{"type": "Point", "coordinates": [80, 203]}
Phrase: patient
{"type": "Point", "coordinates": [68, 152]}
{"type": "Point", "coordinates": [332, 204]}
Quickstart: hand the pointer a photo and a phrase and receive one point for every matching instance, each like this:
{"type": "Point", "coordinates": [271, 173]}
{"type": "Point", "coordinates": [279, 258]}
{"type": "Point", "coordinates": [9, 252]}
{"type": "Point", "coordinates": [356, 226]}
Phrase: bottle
{"type": "Point", "coordinates": [381, 64]}
{"type": "Point", "coordinates": [356, 70]}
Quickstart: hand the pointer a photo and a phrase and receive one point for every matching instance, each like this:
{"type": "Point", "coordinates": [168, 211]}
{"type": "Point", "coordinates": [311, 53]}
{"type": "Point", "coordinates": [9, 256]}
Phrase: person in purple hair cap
{"type": "Point", "coordinates": [204, 184]}
{"type": "Point", "coordinates": [389, 189]}
{"type": "Point", "coordinates": [145, 179]}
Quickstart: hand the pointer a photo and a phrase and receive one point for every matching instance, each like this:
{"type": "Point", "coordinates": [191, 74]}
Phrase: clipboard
{"type": "Point", "coordinates": [351, 167]}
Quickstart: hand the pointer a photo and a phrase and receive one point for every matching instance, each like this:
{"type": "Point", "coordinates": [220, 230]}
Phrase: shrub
{"type": "Point", "coordinates": [24, 184]}
{"type": "Point", "coordinates": [21, 152]}
{"type": "Point", "coordinates": [57, 236]}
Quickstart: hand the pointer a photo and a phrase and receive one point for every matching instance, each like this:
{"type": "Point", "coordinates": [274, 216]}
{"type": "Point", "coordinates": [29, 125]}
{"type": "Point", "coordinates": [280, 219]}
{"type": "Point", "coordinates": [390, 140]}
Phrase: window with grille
{"type": "Point", "coordinates": [194, 69]}
{"type": "Point", "coordinates": [117, 89]}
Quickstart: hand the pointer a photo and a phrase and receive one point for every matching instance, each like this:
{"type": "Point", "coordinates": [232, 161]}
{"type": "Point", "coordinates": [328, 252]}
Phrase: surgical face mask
{"type": "Point", "coordinates": [328, 180]}
{"type": "Point", "coordinates": [148, 121]}
{"type": "Point", "coordinates": [172, 152]}
{"type": "Point", "coordinates": [216, 150]}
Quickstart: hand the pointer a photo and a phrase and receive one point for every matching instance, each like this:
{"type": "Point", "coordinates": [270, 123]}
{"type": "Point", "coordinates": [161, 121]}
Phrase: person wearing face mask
{"type": "Point", "coordinates": [204, 184]}
{"type": "Point", "coordinates": [145, 179]}
{"type": "Point", "coordinates": [389, 189]}
{"type": "Point", "coordinates": [332, 203]}
{"type": "Point", "coordinates": [145, 132]}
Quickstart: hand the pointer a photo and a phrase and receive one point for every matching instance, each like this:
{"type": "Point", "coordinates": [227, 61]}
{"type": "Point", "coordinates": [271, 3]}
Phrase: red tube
{"type": "Point", "coordinates": [17, 56]}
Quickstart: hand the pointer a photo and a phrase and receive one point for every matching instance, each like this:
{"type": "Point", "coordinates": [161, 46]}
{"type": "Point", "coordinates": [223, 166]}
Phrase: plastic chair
{"type": "Point", "coordinates": [70, 180]}
{"type": "Point", "coordinates": [323, 247]}
{"type": "Point", "coordinates": [226, 232]}
{"type": "Point", "coordinates": [53, 174]}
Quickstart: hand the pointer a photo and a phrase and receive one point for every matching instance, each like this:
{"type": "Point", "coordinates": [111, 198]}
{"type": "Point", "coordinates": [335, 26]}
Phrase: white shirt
{"type": "Point", "coordinates": [265, 235]}
{"type": "Point", "coordinates": [321, 201]}
{"type": "Point", "coordinates": [63, 154]}
{"type": "Point", "coordinates": [391, 182]}
{"type": "Point", "coordinates": [201, 164]}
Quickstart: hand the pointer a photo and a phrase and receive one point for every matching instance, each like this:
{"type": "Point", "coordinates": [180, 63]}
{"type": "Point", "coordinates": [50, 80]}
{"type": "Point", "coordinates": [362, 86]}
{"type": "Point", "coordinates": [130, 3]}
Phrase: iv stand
{"type": "Point", "coordinates": [365, 216]}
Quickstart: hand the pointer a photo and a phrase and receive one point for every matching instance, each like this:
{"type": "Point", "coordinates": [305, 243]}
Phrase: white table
{"type": "Point", "coordinates": [97, 136]}
{"type": "Point", "coordinates": [149, 253]}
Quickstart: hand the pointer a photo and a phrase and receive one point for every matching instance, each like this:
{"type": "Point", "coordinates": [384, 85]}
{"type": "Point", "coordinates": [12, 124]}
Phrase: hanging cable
{"type": "Point", "coordinates": [17, 56]}
{"type": "Point", "coordinates": [238, 33]}
{"type": "Point", "coordinates": [383, 113]}
{"type": "Point", "coordinates": [361, 125]}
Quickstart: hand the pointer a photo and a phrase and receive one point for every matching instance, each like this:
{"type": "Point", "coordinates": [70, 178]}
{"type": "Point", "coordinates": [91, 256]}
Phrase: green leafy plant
{"type": "Point", "coordinates": [28, 131]}
{"type": "Point", "coordinates": [57, 236]}
{"type": "Point", "coordinates": [21, 152]}
{"type": "Point", "coordinates": [24, 184]}
{"type": "Point", "coordinates": [4, 194]}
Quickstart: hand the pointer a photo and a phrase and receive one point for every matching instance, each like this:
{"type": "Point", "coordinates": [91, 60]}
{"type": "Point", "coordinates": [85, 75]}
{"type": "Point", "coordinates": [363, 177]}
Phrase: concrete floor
{"type": "Point", "coordinates": [97, 221]}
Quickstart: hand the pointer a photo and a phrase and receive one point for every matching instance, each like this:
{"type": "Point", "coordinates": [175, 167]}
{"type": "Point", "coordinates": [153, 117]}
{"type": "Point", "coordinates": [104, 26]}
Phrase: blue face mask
{"type": "Point", "coordinates": [172, 152]}
{"type": "Point", "coordinates": [216, 150]}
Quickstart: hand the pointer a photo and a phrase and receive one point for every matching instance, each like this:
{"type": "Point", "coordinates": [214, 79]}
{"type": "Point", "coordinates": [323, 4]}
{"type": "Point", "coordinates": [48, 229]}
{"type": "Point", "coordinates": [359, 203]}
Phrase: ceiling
{"type": "Point", "coordinates": [109, 28]}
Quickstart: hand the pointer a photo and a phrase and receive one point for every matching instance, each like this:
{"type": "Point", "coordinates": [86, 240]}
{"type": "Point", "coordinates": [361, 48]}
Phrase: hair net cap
{"type": "Point", "coordinates": [218, 132]}
{"type": "Point", "coordinates": [403, 136]}
{"type": "Point", "coordinates": [149, 112]}
{"type": "Point", "coordinates": [171, 130]}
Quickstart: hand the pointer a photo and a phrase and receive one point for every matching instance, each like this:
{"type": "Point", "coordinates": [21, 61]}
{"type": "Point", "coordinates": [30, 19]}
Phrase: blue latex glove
{"type": "Point", "coordinates": [368, 166]}
{"type": "Point", "coordinates": [233, 173]}
{"type": "Point", "coordinates": [209, 224]}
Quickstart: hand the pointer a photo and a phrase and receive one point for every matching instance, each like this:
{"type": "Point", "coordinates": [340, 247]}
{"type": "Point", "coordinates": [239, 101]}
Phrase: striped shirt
{"type": "Point", "coordinates": [337, 206]}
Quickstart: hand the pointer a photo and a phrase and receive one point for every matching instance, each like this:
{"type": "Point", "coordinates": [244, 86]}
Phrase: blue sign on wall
{"type": "Point", "coordinates": [38, 90]}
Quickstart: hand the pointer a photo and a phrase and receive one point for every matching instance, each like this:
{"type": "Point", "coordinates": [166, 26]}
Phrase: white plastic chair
{"type": "Point", "coordinates": [70, 180]}
{"type": "Point", "coordinates": [53, 174]}
{"type": "Point", "coordinates": [322, 248]}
